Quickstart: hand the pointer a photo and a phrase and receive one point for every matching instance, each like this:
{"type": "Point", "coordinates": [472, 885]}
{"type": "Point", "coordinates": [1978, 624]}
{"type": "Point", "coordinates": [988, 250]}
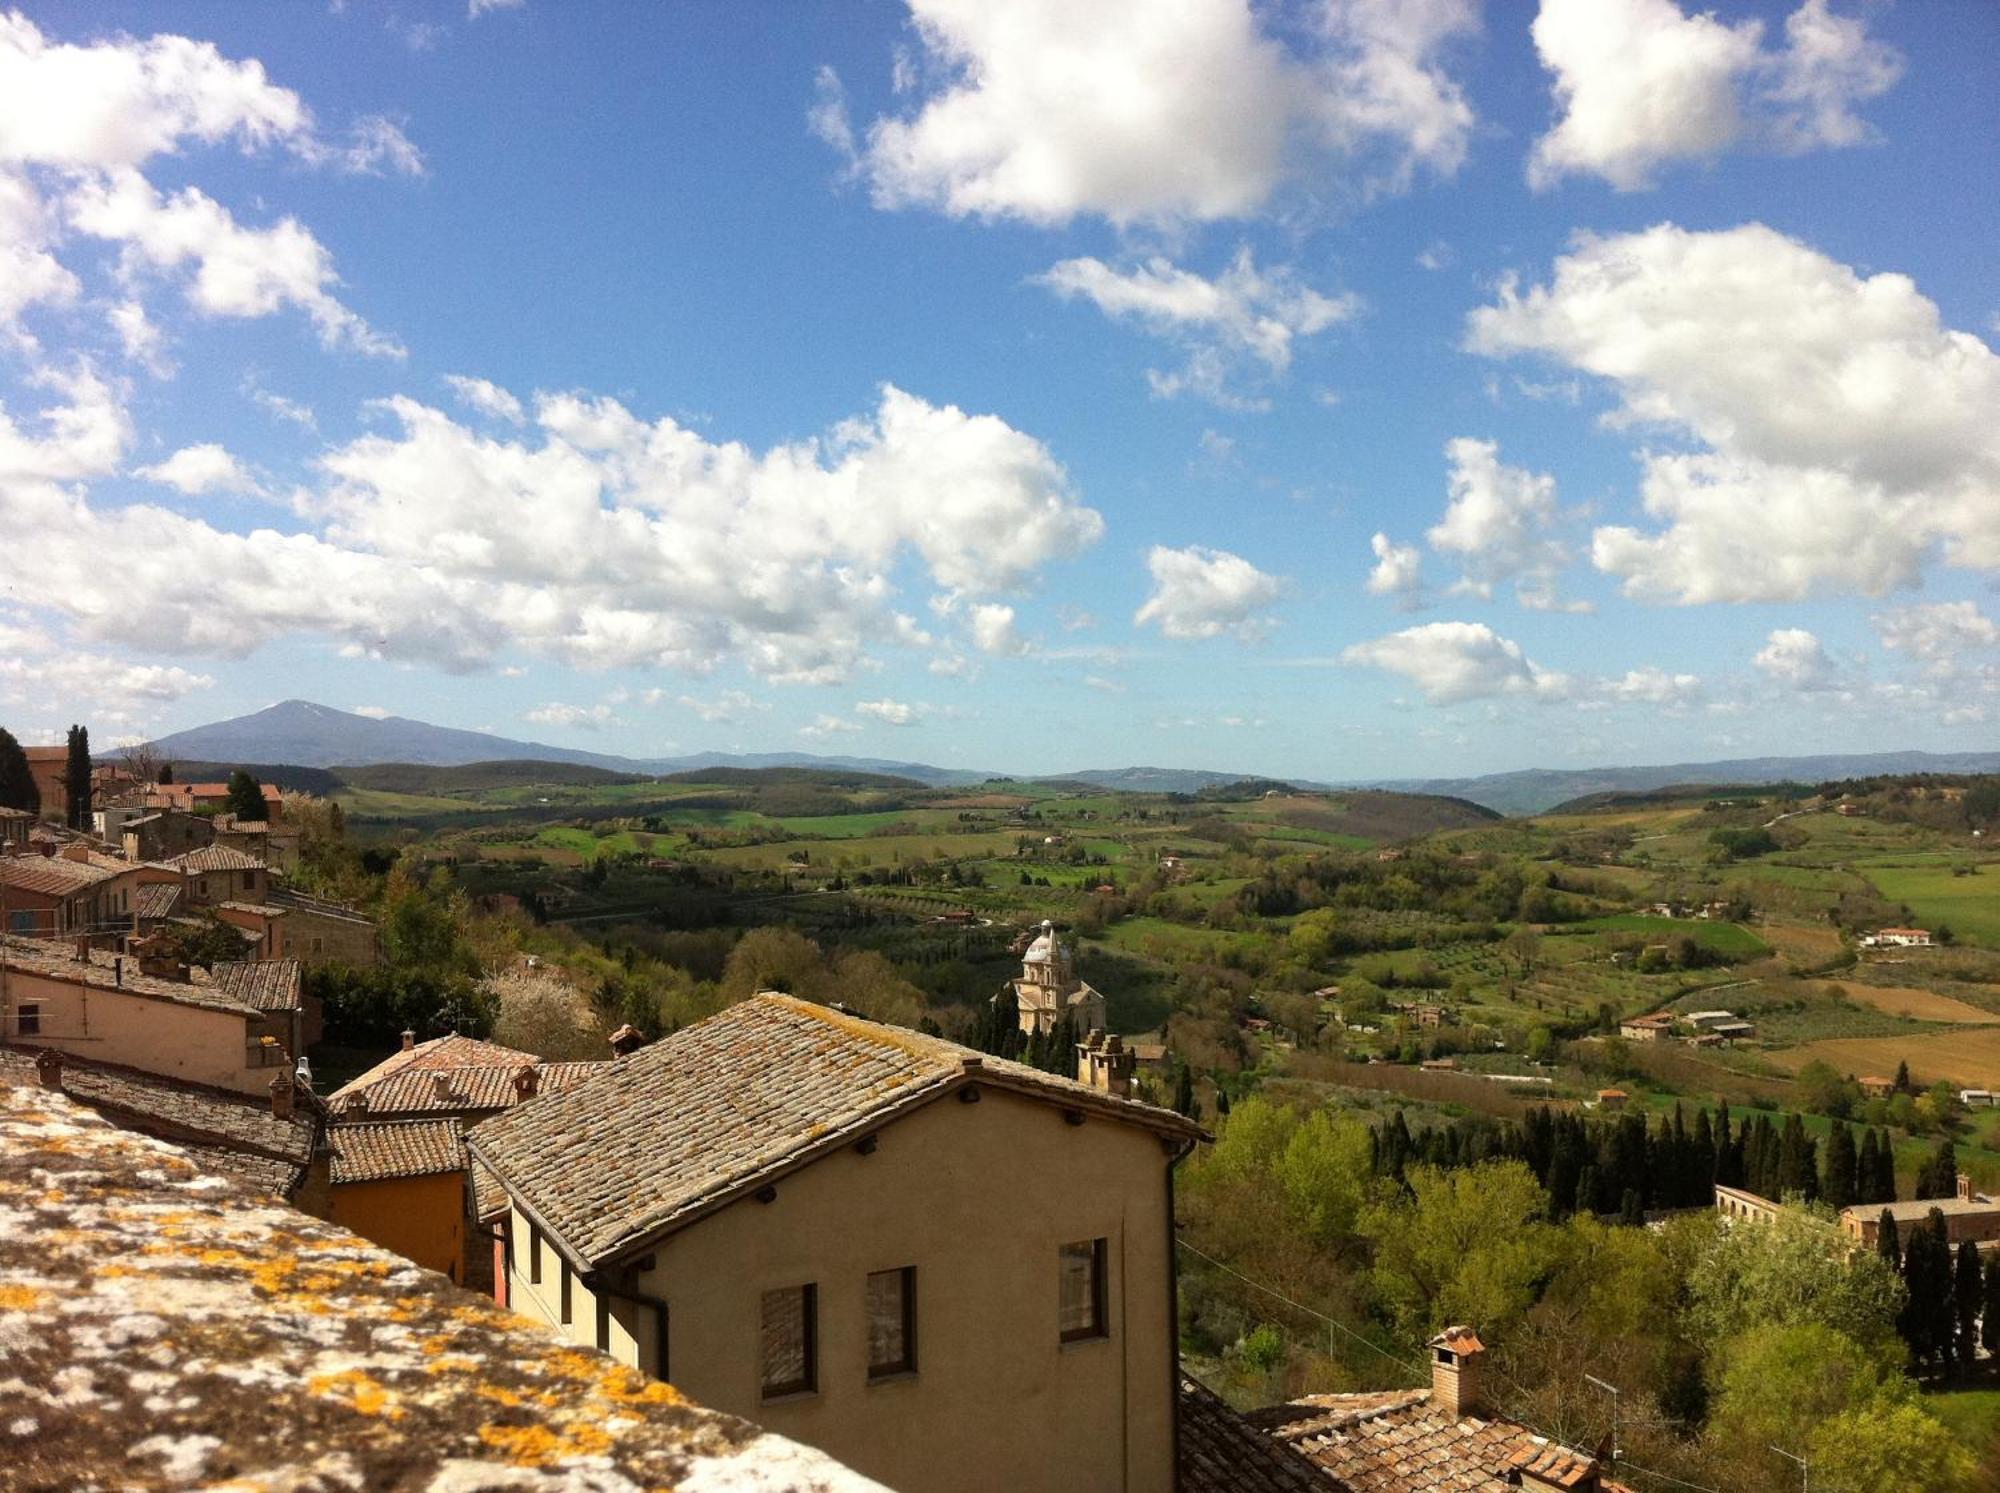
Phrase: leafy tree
{"type": "Point", "coordinates": [1795, 1269]}
{"type": "Point", "coordinates": [17, 781]}
{"type": "Point", "coordinates": [205, 941]}
{"type": "Point", "coordinates": [1887, 1445]}
{"type": "Point", "coordinates": [1823, 1089]}
{"type": "Point", "coordinates": [1468, 1245]}
{"type": "Point", "coordinates": [1778, 1377]}
{"type": "Point", "coordinates": [76, 778]}
{"type": "Point", "coordinates": [246, 799]}
{"type": "Point", "coordinates": [1184, 1100]}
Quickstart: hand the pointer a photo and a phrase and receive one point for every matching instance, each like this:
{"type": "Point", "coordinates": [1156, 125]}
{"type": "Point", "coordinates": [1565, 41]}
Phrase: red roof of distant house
{"type": "Point", "coordinates": [1612, 1094]}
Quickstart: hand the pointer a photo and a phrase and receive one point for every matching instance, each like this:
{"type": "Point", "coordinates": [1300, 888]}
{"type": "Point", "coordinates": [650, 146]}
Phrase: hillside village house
{"type": "Point", "coordinates": [322, 932]}
{"type": "Point", "coordinates": [1647, 1028]}
{"type": "Point", "coordinates": [192, 797]}
{"type": "Point", "coordinates": [124, 1009]}
{"type": "Point", "coordinates": [1897, 938]}
{"type": "Point", "coordinates": [216, 874]}
{"type": "Point", "coordinates": [161, 834]}
{"type": "Point", "coordinates": [949, 1270]}
{"type": "Point", "coordinates": [1445, 1438]}
{"type": "Point", "coordinates": [74, 891]}
{"type": "Point", "coordinates": [1049, 990]}
{"type": "Point", "coordinates": [402, 1185]}
{"type": "Point", "coordinates": [49, 766]}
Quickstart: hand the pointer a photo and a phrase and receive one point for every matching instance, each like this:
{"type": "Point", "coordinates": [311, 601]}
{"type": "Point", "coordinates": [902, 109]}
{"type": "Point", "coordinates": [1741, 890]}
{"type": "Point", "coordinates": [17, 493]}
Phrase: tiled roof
{"type": "Point", "coordinates": [457, 1090]}
{"type": "Point", "coordinates": [156, 900]}
{"type": "Point", "coordinates": [274, 1151]}
{"type": "Point", "coordinates": [1220, 1452]}
{"type": "Point", "coordinates": [280, 1351]}
{"type": "Point", "coordinates": [55, 960]}
{"type": "Point", "coordinates": [213, 858]}
{"type": "Point", "coordinates": [51, 875]}
{"type": "Point", "coordinates": [406, 1148]}
{"type": "Point", "coordinates": [1908, 1211]}
{"type": "Point", "coordinates": [12, 813]}
{"type": "Point", "coordinates": [489, 1198]}
{"type": "Point", "coordinates": [1400, 1441]}
{"type": "Point", "coordinates": [267, 984]}
{"type": "Point", "coordinates": [284, 896]}
{"type": "Point", "coordinates": [260, 909]}
{"type": "Point", "coordinates": [694, 1120]}
{"type": "Point", "coordinates": [451, 1051]}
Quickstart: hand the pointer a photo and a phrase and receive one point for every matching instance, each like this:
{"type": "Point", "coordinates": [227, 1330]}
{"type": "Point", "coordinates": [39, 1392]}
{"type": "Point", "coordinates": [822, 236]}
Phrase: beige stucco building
{"type": "Point", "coordinates": [1049, 989]}
{"type": "Point", "coordinates": [107, 1008]}
{"type": "Point", "coordinates": [951, 1271]}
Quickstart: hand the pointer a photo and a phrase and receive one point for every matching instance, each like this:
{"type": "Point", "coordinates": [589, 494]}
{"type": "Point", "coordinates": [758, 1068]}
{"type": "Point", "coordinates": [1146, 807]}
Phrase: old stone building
{"type": "Point", "coordinates": [951, 1271]}
{"type": "Point", "coordinates": [1048, 989]}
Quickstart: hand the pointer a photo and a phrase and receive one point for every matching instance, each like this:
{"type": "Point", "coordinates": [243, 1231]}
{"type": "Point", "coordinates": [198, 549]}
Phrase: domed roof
{"type": "Point", "coordinates": [1045, 948]}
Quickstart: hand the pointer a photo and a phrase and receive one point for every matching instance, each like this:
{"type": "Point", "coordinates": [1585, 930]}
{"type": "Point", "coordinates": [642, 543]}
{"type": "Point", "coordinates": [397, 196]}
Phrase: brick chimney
{"type": "Point", "coordinates": [526, 1082]}
{"type": "Point", "coordinates": [627, 1039]}
{"type": "Point", "coordinates": [409, 1039]}
{"type": "Point", "coordinates": [441, 1085]}
{"type": "Point", "coordinates": [1456, 1355]}
{"type": "Point", "coordinates": [282, 1090]}
{"type": "Point", "coordinates": [48, 1069]}
{"type": "Point", "coordinates": [1105, 1064]}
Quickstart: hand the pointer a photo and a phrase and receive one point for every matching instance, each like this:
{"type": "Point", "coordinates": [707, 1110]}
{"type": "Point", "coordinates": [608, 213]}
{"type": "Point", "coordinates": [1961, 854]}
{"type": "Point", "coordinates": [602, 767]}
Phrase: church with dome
{"type": "Point", "coordinates": [1048, 989]}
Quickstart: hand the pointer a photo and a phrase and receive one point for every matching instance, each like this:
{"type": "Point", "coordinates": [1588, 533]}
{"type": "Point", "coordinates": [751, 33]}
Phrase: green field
{"type": "Point", "coordinates": [1730, 939]}
{"type": "Point", "coordinates": [1968, 905]}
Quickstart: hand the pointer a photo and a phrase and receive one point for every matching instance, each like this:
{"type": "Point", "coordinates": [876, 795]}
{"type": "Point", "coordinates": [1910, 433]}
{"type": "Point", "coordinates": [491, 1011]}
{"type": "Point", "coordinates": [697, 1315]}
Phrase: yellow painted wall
{"type": "Point", "coordinates": [978, 1198]}
{"type": "Point", "coordinates": [152, 1035]}
{"type": "Point", "coordinates": [420, 1218]}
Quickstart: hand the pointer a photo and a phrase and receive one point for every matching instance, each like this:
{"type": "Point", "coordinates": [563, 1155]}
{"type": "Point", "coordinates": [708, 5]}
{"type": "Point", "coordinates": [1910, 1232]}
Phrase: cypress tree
{"type": "Point", "coordinates": [1586, 1188]}
{"type": "Point", "coordinates": [1221, 1096]}
{"type": "Point", "coordinates": [1903, 1084]}
{"type": "Point", "coordinates": [167, 775]}
{"type": "Point", "coordinates": [17, 782]}
{"type": "Point", "coordinates": [1968, 1292]}
{"type": "Point", "coordinates": [1865, 1167]}
{"type": "Point", "coordinates": [246, 799]}
{"type": "Point", "coordinates": [1885, 1168]}
{"type": "Point", "coordinates": [1918, 1312]}
{"type": "Point", "coordinates": [1632, 1211]}
{"type": "Point", "coordinates": [1886, 1243]}
{"type": "Point", "coordinates": [1701, 1159]}
{"type": "Point", "coordinates": [76, 778]}
{"type": "Point", "coordinates": [1989, 1326]}
{"type": "Point", "coordinates": [1943, 1301]}
{"type": "Point", "coordinates": [1838, 1188]}
{"type": "Point", "coordinates": [1184, 1092]}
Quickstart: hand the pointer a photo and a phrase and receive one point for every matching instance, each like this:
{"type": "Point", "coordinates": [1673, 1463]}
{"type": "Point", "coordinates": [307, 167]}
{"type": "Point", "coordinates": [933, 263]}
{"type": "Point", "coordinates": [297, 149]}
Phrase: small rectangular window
{"type": "Point", "coordinates": [892, 1322]}
{"type": "Point", "coordinates": [29, 1021]}
{"type": "Point", "coordinates": [789, 1345]}
{"type": "Point", "coordinates": [1082, 1306]}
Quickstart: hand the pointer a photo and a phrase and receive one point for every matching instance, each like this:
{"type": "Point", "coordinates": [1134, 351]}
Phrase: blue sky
{"type": "Point", "coordinates": [1328, 389]}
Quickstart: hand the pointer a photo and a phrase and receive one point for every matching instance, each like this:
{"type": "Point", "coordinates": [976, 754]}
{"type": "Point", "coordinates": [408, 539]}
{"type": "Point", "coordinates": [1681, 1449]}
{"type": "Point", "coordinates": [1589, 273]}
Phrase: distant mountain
{"type": "Point", "coordinates": [303, 734]}
{"type": "Point", "coordinates": [1539, 789]}
{"type": "Point", "coordinates": [1160, 779]}
{"type": "Point", "coordinates": [309, 735]}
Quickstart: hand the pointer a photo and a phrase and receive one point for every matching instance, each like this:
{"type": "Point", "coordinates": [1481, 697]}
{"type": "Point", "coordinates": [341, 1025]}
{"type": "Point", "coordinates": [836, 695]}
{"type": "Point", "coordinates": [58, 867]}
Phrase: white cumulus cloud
{"type": "Point", "coordinates": [1797, 659]}
{"type": "Point", "coordinates": [1496, 525]}
{"type": "Point", "coordinates": [1642, 83]}
{"type": "Point", "coordinates": [1204, 593]}
{"type": "Point", "coordinates": [200, 469]}
{"type": "Point", "coordinates": [570, 717]}
{"type": "Point", "coordinates": [1044, 110]}
{"type": "Point", "coordinates": [1243, 316]}
{"type": "Point", "coordinates": [1941, 633]}
{"type": "Point", "coordinates": [993, 628]}
{"type": "Point", "coordinates": [1846, 432]}
{"type": "Point", "coordinates": [487, 397]}
{"type": "Point", "coordinates": [1398, 573]}
{"type": "Point", "coordinates": [1453, 661]}
{"type": "Point", "coordinates": [890, 712]}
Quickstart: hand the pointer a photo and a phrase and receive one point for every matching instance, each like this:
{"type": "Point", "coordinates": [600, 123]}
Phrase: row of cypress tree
{"type": "Point", "coordinates": [1622, 1165]}
{"type": "Point", "coordinates": [1952, 1304]}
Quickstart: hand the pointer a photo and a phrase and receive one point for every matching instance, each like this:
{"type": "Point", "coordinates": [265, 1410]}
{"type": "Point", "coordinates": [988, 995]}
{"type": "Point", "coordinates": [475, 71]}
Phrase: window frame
{"type": "Point", "coordinates": [1100, 1323]}
{"type": "Point", "coordinates": [808, 1383]}
{"type": "Point", "coordinates": [28, 1019]}
{"type": "Point", "coordinates": [906, 1284]}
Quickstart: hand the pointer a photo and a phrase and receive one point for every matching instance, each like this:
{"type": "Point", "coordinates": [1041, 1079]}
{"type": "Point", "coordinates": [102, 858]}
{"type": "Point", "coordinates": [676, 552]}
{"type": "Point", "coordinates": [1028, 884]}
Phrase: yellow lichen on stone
{"type": "Point", "coordinates": [19, 1298]}
{"type": "Point", "coordinates": [537, 1446]}
{"type": "Point", "coordinates": [357, 1391]}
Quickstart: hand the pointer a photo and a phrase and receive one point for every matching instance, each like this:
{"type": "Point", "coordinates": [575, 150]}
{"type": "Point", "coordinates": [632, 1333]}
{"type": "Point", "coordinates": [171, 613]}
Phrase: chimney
{"type": "Point", "coordinates": [1105, 1064]}
{"type": "Point", "coordinates": [526, 1082]}
{"type": "Point", "coordinates": [83, 948]}
{"type": "Point", "coordinates": [76, 851]}
{"type": "Point", "coordinates": [1086, 1055]}
{"type": "Point", "coordinates": [1964, 1188]}
{"type": "Point", "coordinates": [626, 1040]}
{"type": "Point", "coordinates": [48, 1069]}
{"type": "Point", "coordinates": [409, 1039]}
{"type": "Point", "coordinates": [1455, 1364]}
{"type": "Point", "coordinates": [281, 1096]}
{"type": "Point", "coordinates": [441, 1085]}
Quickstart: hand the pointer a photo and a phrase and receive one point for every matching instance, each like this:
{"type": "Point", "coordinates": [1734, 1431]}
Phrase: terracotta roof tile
{"type": "Point", "coordinates": [462, 1091]}
{"type": "Point", "coordinates": [213, 858]}
{"type": "Point", "coordinates": [1222, 1453]}
{"type": "Point", "coordinates": [156, 900]}
{"type": "Point", "coordinates": [402, 1148]}
{"type": "Point", "coordinates": [55, 960]}
{"type": "Point", "coordinates": [267, 984]}
{"type": "Point", "coordinates": [691, 1121]}
{"type": "Point", "coordinates": [283, 1352]}
{"type": "Point", "coordinates": [51, 875]}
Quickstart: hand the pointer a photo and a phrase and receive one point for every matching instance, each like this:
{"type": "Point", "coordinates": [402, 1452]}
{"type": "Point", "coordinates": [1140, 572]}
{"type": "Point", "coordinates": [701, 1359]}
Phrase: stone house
{"type": "Point", "coordinates": [402, 1184]}
{"type": "Point", "coordinates": [216, 874]}
{"type": "Point", "coordinates": [134, 1011]}
{"type": "Point", "coordinates": [951, 1271]}
{"type": "Point", "coordinates": [1968, 1216]}
{"type": "Point", "coordinates": [322, 932]}
{"type": "Point", "coordinates": [162, 834]}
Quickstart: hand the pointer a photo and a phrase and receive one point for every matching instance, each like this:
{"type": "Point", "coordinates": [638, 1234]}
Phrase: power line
{"type": "Point", "coordinates": [1408, 1363]}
